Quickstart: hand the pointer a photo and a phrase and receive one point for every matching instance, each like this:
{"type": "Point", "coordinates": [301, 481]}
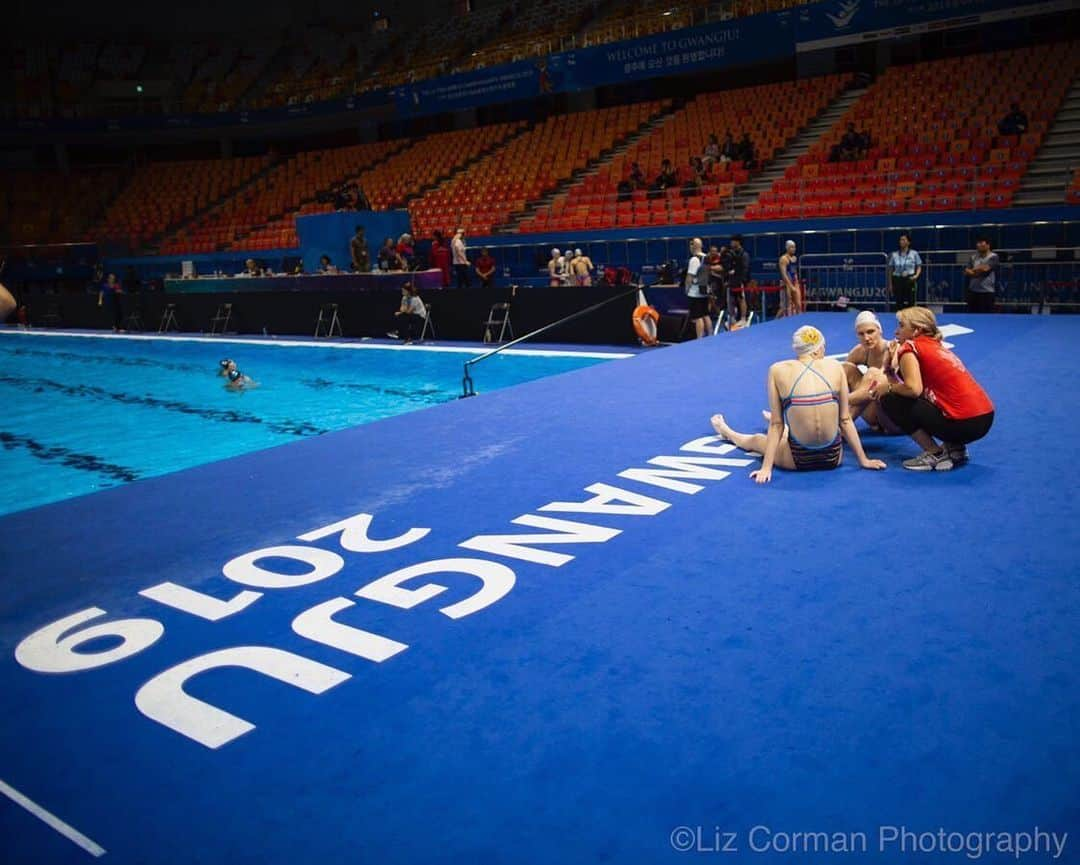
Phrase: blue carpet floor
{"type": "Point", "coordinates": [835, 652]}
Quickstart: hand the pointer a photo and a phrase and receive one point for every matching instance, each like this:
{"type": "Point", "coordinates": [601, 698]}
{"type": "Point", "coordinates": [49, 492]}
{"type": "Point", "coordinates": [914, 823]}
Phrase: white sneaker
{"type": "Point", "coordinates": [928, 462]}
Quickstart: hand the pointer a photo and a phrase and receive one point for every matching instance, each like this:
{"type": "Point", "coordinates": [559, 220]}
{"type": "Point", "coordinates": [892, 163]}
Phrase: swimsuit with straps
{"type": "Point", "coordinates": [812, 457]}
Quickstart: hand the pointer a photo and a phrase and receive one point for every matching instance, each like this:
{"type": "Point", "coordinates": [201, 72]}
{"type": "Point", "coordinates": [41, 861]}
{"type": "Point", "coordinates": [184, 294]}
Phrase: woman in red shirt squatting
{"type": "Point", "coordinates": [937, 399]}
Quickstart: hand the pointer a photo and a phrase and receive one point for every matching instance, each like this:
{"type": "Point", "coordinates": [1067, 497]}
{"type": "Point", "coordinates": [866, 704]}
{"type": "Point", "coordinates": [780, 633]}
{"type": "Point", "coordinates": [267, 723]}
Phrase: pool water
{"type": "Point", "coordinates": [81, 414]}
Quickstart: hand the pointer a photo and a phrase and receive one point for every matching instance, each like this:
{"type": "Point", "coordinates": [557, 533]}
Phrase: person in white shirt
{"type": "Point", "coordinates": [905, 267]}
{"type": "Point", "coordinates": [460, 259]}
{"type": "Point", "coordinates": [696, 287]}
{"type": "Point", "coordinates": [410, 315]}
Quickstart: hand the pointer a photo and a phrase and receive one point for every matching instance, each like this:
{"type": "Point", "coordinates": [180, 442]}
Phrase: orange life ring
{"type": "Point", "coordinates": [645, 319]}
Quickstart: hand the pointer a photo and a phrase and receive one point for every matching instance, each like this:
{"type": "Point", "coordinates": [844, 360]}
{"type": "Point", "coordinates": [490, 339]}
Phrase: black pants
{"type": "Point", "coordinates": [903, 291]}
{"type": "Point", "coordinates": [462, 273]}
{"type": "Point", "coordinates": [980, 301]}
{"type": "Point", "coordinates": [117, 311]}
{"type": "Point", "coordinates": [410, 325]}
{"type": "Point", "coordinates": [920, 414]}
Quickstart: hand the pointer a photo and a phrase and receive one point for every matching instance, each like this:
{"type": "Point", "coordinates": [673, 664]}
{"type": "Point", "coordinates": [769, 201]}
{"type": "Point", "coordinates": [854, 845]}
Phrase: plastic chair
{"type": "Point", "coordinates": [222, 316]}
{"type": "Point", "coordinates": [498, 317]}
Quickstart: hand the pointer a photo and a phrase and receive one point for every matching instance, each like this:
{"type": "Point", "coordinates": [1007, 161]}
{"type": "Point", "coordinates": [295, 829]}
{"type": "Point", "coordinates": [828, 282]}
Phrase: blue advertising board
{"type": "Point", "coordinates": [739, 42]}
{"type": "Point", "coordinates": [844, 22]}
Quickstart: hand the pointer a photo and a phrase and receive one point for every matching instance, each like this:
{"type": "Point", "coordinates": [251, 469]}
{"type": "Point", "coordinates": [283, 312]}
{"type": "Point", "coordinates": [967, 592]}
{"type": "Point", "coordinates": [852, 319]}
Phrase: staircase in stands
{"type": "Point", "coordinates": [748, 193]}
{"type": "Point", "coordinates": [621, 146]}
{"type": "Point", "coordinates": [1052, 168]}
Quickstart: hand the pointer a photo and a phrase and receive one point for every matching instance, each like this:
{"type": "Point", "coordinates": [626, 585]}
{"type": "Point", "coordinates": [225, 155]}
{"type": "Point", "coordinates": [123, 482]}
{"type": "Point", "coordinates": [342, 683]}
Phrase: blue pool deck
{"type": "Point", "coordinates": [277, 678]}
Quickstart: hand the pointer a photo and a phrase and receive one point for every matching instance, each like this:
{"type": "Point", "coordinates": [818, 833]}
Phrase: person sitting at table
{"type": "Point", "coordinates": [405, 250]}
{"type": "Point", "coordinates": [325, 265]}
{"type": "Point", "coordinates": [410, 315]}
{"type": "Point", "coordinates": [388, 256]}
{"type": "Point", "coordinates": [250, 269]}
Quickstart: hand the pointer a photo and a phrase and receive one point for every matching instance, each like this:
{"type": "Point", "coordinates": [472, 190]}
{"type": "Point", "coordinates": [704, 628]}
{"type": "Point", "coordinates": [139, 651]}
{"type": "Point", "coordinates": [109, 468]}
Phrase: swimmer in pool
{"type": "Point", "coordinates": [873, 352]}
{"type": "Point", "coordinates": [226, 366]}
{"type": "Point", "coordinates": [808, 401]}
{"type": "Point", "coordinates": [239, 381]}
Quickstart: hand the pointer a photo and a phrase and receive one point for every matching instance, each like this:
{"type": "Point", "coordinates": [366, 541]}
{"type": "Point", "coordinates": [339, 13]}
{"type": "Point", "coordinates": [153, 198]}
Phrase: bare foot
{"type": "Point", "coordinates": [721, 427]}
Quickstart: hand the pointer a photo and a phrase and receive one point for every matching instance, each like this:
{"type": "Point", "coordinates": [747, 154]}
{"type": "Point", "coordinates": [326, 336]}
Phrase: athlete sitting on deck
{"type": "Point", "coordinates": [873, 352]}
{"type": "Point", "coordinates": [808, 401]}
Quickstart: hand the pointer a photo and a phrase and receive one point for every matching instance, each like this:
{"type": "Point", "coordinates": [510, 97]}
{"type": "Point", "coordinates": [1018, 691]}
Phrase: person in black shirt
{"type": "Point", "coordinates": [739, 276]}
{"type": "Point", "coordinates": [1013, 123]}
{"type": "Point", "coordinates": [667, 177]}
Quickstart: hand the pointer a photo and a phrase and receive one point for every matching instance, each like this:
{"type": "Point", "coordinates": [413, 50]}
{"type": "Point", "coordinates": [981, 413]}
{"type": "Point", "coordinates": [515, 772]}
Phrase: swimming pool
{"type": "Point", "coordinates": [80, 414]}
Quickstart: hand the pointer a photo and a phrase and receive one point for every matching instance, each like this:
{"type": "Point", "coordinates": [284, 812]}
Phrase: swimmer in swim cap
{"type": "Point", "coordinates": [808, 414]}
{"type": "Point", "coordinates": [239, 381]}
{"type": "Point", "coordinates": [791, 299]}
{"type": "Point", "coordinates": [868, 366]}
{"type": "Point", "coordinates": [226, 366]}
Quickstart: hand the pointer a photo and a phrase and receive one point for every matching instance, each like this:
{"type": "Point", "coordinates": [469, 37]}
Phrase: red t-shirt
{"type": "Point", "coordinates": [485, 263]}
{"type": "Point", "coordinates": [946, 382]}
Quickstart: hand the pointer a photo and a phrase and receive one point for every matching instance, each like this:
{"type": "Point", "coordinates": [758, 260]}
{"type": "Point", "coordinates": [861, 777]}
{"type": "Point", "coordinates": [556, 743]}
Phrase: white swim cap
{"type": "Point", "coordinates": [577, 252]}
{"type": "Point", "coordinates": [554, 252]}
{"type": "Point", "coordinates": [807, 339]}
{"type": "Point", "coordinates": [867, 317]}
{"type": "Point", "coordinates": [789, 244]}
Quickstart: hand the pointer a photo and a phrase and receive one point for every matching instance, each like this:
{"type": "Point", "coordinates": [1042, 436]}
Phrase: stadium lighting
{"type": "Point", "coordinates": [138, 88]}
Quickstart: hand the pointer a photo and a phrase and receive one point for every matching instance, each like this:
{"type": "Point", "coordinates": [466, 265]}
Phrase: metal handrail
{"type": "Point", "coordinates": [467, 387]}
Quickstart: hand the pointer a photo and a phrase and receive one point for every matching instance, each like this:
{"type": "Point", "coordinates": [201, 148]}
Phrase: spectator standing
{"type": "Point", "coordinates": [405, 250]}
{"type": "Point", "coordinates": [112, 293]}
{"type": "Point", "coordinates": [460, 258]}
{"type": "Point", "coordinates": [905, 267]}
{"type": "Point", "coordinates": [717, 277]}
{"type": "Point", "coordinates": [440, 256]}
{"type": "Point", "coordinates": [739, 276]}
{"type": "Point", "coordinates": [485, 269]}
{"type": "Point", "coordinates": [696, 288]}
{"type": "Point", "coordinates": [982, 277]}
{"type": "Point", "coordinates": [358, 251]}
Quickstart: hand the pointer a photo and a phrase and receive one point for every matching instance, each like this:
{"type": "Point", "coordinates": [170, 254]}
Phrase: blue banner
{"type": "Point", "coordinates": [844, 22]}
{"type": "Point", "coordinates": [740, 42]}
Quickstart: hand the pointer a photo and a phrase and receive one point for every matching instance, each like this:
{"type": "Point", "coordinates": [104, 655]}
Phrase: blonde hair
{"type": "Point", "coordinates": [922, 319]}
